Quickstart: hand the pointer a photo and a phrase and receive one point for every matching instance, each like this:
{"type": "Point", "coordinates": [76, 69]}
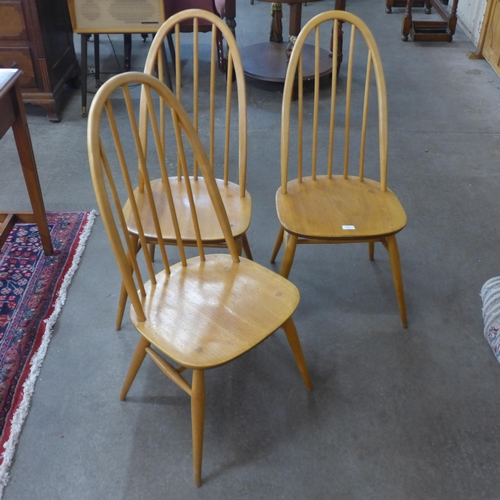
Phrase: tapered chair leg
{"type": "Point", "coordinates": [152, 248]}
{"type": "Point", "coordinates": [239, 243]}
{"type": "Point", "coordinates": [392, 247]}
{"type": "Point", "coordinates": [122, 301]}
{"type": "Point", "coordinates": [293, 340]}
{"type": "Point", "coordinates": [197, 421]}
{"type": "Point", "coordinates": [371, 250]}
{"type": "Point", "coordinates": [135, 364]}
{"type": "Point", "coordinates": [290, 248]}
{"type": "Point", "coordinates": [277, 245]}
{"type": "Point", "coordinates": [246, 247]}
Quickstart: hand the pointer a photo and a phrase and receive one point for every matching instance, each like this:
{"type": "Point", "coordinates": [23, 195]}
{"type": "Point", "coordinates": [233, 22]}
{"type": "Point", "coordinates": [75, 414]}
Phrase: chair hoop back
{"type": "Point", "coordinates": [232, 61]}
{"type": "Point", "coordinates": [112, 173]}
{"type": "Point", "coordinates": [294, 77]}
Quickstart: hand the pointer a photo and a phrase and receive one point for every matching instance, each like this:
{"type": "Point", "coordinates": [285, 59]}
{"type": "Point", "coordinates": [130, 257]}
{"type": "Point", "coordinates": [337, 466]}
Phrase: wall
{"type": "Point", "coordinates": [470, 17]}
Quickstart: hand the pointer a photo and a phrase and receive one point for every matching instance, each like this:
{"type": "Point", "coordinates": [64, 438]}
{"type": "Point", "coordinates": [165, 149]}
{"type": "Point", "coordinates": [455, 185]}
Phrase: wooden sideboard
{"type": "Point", "coordinates": [36, 37]}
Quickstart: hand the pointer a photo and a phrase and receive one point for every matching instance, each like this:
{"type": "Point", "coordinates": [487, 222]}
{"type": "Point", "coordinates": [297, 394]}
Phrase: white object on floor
{"type": "Point", "coordinates": [490, 293]}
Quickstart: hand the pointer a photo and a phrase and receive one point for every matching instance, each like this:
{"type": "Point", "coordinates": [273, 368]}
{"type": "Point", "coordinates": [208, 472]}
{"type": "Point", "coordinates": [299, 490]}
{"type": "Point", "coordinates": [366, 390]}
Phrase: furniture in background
{"type": "Point", "coordinates": [107, 17]}
{"type": "Point", "coordinates": [36, 38]}
{"type": "Point", "coordinates": [268, 61]}
{"type": "Point", "coordinates": [426, 31]}
{"type": "Point", "coordinates": [219, 113]}
{"type": "Point", "coordinates": [204, 311]}
{"type": "Point", "coordinates": [488, 46]}
{"type": "Point", "coordinates": [319, 206]}
{"type": "Point", "coordinates": [216, 7]}
{"type": "Point", "coordinates": [12, 114]}
{"type": "Point", "coordinates": [389, 4]}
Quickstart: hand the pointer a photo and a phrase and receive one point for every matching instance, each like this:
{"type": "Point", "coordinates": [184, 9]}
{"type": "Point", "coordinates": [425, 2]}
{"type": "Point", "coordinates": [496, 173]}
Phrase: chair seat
{"type": "Point", "coordinates": [208, 313]}
{"type": "Point", "coordinates": [323, 208]}
{"type": "Point", "coordinates": [239, 211]}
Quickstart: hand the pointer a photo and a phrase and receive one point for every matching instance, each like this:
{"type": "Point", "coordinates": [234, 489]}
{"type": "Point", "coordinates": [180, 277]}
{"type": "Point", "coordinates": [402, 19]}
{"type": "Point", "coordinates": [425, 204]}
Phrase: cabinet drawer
{"type": "Point", "coordinates": [19, 57]}
{"type": "Point", "coordinates": [12, 25]}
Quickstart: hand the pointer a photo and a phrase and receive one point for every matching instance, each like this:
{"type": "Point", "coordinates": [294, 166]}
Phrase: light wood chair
{"type": "Point", "coordinates": [318, 206]}
{"type": "Point", "coordinates": [219, 112]}
{"type": "Point", "coordinates": [203, 311]}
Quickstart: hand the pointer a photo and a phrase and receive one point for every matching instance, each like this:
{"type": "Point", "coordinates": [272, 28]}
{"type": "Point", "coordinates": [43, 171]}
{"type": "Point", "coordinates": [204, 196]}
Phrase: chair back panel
{"type": "Point", "coordinates": [216, 103]}
{"type": "Point", "coordinates": [319, 117]}
{"type": "Point", "coordinates": [116, 149]}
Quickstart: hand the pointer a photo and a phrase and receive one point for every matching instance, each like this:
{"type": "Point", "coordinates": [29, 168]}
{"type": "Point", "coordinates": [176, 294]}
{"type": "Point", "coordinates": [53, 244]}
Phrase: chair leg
{"type": "Point", "coordinates": [122, 302]}
{"type": "Point", "coordinates": [135, 364]}
{"type": "Point", "coordinates": [371, 250]}
{"type": "Point", "coordinates": [246, 247]}
{"type": "Point", "coordinates": [171, 49]}
{"type": "Point", "coordinates": [197, 420]}
{"type": "Point", "coordinates": [152, 247]}
{"type": "Point", "coordinates": [239, 243]}
{"type": "Point", "coordinates": [277, 245]}
{"type": "Point", "coordinates": [293, 340]}
{"type": "Point", "coordinates": [392, 247]}
{"type": "Point", "coordinates": [286, 265]}
{"type": "Point", "coordinates": [166, 77]}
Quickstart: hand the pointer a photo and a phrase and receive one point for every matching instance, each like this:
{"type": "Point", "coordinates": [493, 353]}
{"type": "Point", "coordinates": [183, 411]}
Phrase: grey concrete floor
{"type": "Point", "coordinates": [395, 413]}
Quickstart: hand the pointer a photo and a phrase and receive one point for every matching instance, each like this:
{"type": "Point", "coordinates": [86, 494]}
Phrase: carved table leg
{"type": "Point", "coordinates": [231, 15]}
{"type": "Point", "coordinates": [427, 6]}
{"type": "Point", "coordinates": [276, 34]}
{"type": "Point", "coordinates": [452, 20]}
{"type": "Point", "coordinates": [407, 21]}
{"type": "Point", "coordinates": [388, 6]}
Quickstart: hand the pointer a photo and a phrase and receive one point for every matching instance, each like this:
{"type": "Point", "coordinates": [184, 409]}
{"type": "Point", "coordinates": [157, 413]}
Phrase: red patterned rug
{"type": "Point", "coordinates": [33, 290]}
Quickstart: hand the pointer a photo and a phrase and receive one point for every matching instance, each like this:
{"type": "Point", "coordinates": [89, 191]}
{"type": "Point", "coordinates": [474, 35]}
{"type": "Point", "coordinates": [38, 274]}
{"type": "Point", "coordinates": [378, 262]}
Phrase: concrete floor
{"type": "Point", "coordinates": [395, 413]}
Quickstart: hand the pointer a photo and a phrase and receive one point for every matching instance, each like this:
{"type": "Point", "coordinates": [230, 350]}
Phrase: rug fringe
{"type": "Point", "coordinates": [37, 359]}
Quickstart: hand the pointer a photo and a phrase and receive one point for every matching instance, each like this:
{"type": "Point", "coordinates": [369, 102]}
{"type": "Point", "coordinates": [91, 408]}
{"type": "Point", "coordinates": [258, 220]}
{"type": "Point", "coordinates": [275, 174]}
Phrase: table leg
{"type": "Point", "coordinates": [407, 21]}
{"type": "Point", "coordinates": [84, 42]}
{"type": "Point", "coordinates": [127, 50]}
{"type": "Point", "coordinates": [295, 18]}
{"type": "Point", "coordinates": [97, 57]}
{"type": "Point", "coordinates": [28, 164]}
{"type": "Point", "coordinates": [231, 15]}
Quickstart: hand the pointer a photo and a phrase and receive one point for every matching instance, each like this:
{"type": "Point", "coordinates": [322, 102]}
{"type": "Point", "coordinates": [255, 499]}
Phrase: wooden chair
{"type": "Point", "coordinates": [321, 207]}
{"type": "Point", "coordinates": [203, 311]}
{"type": "Point", "coordinates": [219, 112]}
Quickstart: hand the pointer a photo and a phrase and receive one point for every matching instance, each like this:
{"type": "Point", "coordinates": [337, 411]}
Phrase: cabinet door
{"type": "Point", "coordinates": [12, 25]}
{"type": "Point", "coordinates": [491, 49]}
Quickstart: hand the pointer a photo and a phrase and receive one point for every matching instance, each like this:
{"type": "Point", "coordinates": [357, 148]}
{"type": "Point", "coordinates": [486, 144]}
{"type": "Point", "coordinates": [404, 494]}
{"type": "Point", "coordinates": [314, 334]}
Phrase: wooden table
{"type": "Point", "coordinates": [433, 31]}
{"type": "Point", "coordinates": [12, 114]}
{"type": "Point", "coordinates": [267, 61]}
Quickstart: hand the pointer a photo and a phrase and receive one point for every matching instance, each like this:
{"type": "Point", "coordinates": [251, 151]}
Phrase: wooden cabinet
{"type": "Point", "coordinates": [491, 37]}
{"type": "Point", "coordinates": [36, 37]}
